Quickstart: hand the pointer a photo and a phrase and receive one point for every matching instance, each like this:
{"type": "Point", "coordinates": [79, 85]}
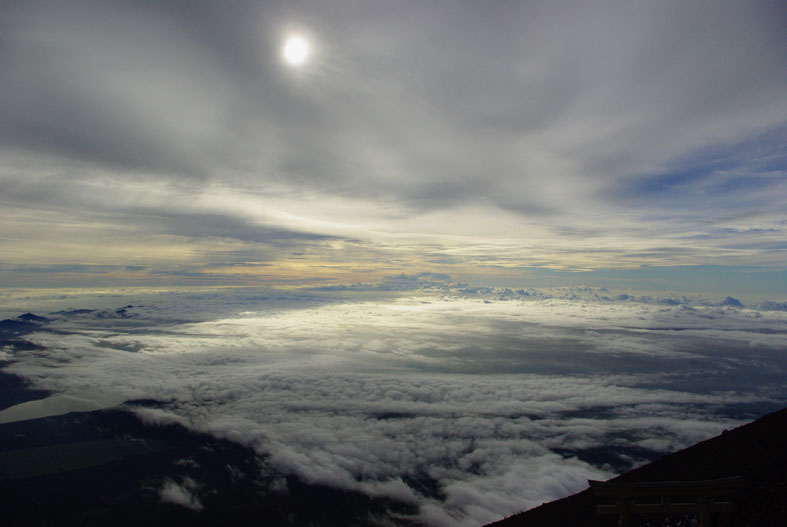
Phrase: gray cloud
{"type": "Point", "coordinates": [545, 135]}
{"type": "Point", "coordinates": [224, 226]}
{"type": "Point", "coordinates": [424, 101]}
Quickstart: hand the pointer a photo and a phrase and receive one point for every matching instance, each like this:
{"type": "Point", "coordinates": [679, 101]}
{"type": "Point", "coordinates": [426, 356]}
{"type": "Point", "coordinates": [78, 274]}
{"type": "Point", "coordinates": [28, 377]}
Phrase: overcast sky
{"type": "Point", "coordinates": [170, 143]}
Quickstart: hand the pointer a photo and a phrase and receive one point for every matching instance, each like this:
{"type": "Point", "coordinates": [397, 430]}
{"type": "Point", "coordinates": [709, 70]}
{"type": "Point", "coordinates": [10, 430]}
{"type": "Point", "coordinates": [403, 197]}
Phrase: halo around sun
{"type": "Point", "coordinates": [295, 51]}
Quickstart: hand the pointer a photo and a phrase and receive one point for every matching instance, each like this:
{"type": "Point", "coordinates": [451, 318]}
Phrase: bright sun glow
{"type": "Point", "coordinates": [295, 50]}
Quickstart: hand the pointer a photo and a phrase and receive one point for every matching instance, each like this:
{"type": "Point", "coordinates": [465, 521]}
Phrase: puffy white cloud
{"type": "Point", "coordinates": [183, 493]}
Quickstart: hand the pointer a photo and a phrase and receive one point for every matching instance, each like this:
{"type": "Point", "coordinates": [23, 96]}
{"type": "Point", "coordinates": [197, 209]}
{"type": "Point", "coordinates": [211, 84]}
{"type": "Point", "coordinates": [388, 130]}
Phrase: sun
{"type": "Point", "coordinates": [295, 51]}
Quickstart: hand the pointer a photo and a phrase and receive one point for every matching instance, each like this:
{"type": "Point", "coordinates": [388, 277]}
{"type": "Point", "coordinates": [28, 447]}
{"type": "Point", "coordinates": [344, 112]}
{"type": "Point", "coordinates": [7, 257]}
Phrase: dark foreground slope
{"type": "Point", "coordinates": [757, 451]}
{"type": "Point", "coordinates": [108, 468]}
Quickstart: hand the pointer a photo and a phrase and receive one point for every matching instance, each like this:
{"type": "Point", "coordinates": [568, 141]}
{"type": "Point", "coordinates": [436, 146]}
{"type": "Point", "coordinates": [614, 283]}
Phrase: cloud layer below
{"type": "Point", "coordinates": [469, 405]}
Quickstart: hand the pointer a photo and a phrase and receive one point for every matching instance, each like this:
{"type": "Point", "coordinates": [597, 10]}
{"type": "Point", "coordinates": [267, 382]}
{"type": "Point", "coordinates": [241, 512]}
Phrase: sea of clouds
{"type": "Point", "coordinates": [470, 403]}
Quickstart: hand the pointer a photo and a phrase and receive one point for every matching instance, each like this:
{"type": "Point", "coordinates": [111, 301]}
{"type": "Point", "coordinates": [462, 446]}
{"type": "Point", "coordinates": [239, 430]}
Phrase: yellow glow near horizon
{"type": "Point", "coordinates": [296, 50]}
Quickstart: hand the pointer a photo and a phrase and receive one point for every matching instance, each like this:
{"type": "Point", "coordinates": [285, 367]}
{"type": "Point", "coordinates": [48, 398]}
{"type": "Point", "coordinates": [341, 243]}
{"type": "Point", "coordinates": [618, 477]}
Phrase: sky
{"type": "Point", "coordinates": [469, 405]}
{"type": "Point", "coordinates": [519, 144]}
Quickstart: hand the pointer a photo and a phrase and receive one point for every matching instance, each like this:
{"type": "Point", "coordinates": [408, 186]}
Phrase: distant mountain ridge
{"type": "Point", "coordinates": [23, 324]}
{"type": "Point", "coordinates": [755, 451]}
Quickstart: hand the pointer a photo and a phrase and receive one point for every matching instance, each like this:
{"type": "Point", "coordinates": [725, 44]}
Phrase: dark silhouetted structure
{"type": "Point", "coordinates": [674, 497]}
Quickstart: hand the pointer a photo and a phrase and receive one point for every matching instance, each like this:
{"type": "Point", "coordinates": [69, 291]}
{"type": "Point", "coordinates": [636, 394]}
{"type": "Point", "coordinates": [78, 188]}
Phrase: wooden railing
{"type": "Point", "coordinates": [674, 497]}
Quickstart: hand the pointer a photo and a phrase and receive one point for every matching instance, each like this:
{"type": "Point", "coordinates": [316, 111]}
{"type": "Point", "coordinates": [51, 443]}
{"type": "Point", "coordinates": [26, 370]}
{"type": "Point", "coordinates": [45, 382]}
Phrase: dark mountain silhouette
{"type": "Point", "coordinates": [30, 317]}
{"type": "Point", "coordinates": [15, 390]}
{"type": "Point", "coordinates": [14, 327]}
{"type": "Point", "coordinates": [755, 451]}
{"type": "Point", "coordinates": [732, 302]}
{"type": "Point", "coordinates": [11, 328]}
{"type": "Point", "coordinates": [74, 312]}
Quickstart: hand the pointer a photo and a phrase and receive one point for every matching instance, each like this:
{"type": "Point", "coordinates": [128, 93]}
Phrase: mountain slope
{"type": "Point", "coordinates": [755, 451]}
